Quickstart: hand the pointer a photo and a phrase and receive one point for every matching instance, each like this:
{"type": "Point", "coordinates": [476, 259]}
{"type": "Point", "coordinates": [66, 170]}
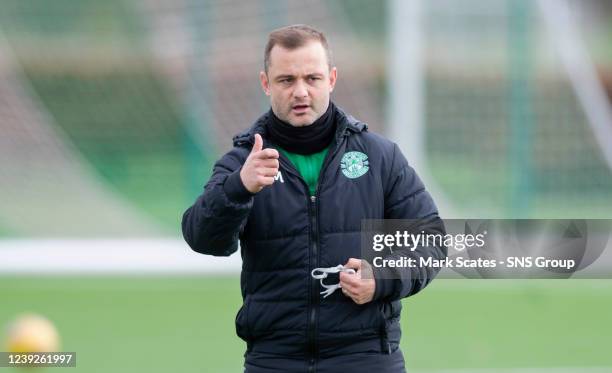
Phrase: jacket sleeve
{"type": "Point", "coordinates": [406, 198]}
{"type": "Point", "coordinates": [212, 225]}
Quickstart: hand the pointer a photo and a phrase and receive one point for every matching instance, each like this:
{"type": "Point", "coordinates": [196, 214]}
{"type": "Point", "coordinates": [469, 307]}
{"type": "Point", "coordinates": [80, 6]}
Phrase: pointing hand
{"type": "Point", "coordinates": [260, 167]}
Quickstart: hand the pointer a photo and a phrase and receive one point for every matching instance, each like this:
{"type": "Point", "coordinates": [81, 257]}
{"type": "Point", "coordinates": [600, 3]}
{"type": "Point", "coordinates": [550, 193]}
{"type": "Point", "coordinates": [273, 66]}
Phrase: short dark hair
{"type": "Point", "coordinates": [293, 37]}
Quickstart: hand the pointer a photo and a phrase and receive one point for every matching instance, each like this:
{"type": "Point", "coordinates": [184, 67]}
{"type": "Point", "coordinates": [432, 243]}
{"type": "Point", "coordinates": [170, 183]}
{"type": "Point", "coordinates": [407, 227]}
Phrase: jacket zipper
{"type": "Point", "coordinates": [312, 319]}
{"type": "Point", "coordinates": [314, 257]}
{"type": "Point", "coordinates": [315, 296]}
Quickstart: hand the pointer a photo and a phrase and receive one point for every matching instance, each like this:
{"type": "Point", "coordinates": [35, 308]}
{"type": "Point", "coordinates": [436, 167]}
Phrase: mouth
{"type": "Point", "coordinates": [300, 109]}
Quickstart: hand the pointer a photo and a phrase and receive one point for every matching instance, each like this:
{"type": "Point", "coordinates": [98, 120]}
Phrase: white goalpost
{"type": "Point", "coordinates": [406, 80]}
{"type": "Point", "coordinates": [565, 35]}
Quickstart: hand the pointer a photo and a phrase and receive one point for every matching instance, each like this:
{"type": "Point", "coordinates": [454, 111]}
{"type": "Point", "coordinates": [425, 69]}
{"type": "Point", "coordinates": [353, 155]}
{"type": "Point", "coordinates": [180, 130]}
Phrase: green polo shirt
{"type": "Point", "coordinates": [309, 166]}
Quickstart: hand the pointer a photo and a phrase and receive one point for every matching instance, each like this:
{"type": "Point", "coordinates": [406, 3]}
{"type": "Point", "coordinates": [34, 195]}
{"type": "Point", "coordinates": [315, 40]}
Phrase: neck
{"type": "Point", "coordinates": [308, 139]}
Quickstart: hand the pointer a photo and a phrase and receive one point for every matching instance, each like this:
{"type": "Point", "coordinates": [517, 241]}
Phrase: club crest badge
{"type": "Point", "coordinates": [354, 164]}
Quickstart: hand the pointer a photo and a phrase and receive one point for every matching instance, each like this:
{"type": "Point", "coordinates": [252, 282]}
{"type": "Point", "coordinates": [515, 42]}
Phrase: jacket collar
{"type": "Point", "coordinates": [347, 125]}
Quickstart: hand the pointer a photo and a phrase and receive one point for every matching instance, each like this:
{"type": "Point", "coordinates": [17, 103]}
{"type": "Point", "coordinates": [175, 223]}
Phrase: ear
{"type": "Point", "coordinates": [333, 76]}
{"type": "Point", "coordinates": [265, 84]}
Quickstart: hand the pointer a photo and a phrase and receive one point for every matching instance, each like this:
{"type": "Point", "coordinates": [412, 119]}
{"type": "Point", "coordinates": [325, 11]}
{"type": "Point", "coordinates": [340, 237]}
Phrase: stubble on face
{"type": "Point", "coordinates": [299, 83]}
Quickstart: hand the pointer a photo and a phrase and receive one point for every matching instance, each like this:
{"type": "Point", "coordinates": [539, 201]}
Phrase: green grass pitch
{"type": "Point", "coordinates": [186, 324]}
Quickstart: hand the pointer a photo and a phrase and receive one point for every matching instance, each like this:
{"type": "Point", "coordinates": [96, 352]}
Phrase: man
{"type": "Point", "coordinates": [294, 190]}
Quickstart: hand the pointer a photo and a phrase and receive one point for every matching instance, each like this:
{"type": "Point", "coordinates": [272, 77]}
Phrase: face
{"type": "Point", "coordinates": [299, 83]}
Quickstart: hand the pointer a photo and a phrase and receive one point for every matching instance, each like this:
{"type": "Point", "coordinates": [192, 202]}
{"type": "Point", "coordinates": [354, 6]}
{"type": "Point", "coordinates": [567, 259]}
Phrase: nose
{"type": "Point", "coordinates": [300, 90]}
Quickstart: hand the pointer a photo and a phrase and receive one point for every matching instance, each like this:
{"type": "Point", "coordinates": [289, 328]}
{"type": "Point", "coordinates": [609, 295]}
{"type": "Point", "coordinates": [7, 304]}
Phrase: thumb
{"type": "Point", "coordinates": [258, 143]}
